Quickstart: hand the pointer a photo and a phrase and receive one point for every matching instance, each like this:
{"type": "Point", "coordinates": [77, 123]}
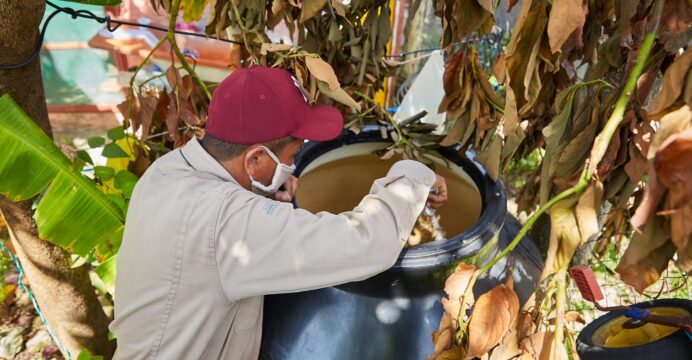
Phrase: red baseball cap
{"type": "Point", "coordinates": [260, 104]}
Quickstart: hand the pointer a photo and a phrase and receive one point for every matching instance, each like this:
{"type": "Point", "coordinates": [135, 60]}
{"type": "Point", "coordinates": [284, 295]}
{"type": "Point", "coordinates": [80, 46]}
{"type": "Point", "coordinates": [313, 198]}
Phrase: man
{"type": "Point", "coordinates": [204, 241]}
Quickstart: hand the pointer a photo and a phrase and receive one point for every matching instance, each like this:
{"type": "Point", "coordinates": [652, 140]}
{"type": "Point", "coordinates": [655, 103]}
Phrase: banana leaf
{"type": "Point", "coordinates": [72, 212]}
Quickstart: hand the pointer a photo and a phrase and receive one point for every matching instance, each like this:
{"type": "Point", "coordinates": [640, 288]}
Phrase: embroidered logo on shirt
{"type": "Point", "coordinates": [269, 207]}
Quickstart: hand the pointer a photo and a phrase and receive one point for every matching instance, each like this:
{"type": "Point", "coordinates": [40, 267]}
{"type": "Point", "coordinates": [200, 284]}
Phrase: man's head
{"type": "Point", "coordinates": [251, 161]}
{"type": "Point", "coordinates": [257, 112]}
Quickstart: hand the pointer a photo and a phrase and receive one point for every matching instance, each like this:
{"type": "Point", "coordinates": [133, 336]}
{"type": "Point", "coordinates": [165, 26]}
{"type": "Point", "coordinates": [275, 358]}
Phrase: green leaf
{"type": "Point", "coordinates": [114, 151]}
{"type": "Point", "coordinates": [193, 9]}
{"type": "Point", "coordinates": [106, 272]}
{"type": "Point", "coordinates": [96, 141]}
{"type": "Point", "coordinates": [84, 156]}
{"type": "Point", "coordinates": [97, 2]}
{"type": "Point", "coordinates": [118, 200]}
{"type": "Point", "coordinates": [116, 133]}
{"type": "Point", "coordinates": [128, 188]}
{"type": "Point", "coordinates": [123, 177]}
{"type": "Point", "coordinates": [73, 212]}
{"type": "Point", "coordinates": [86, 355]}
{"type": "Point", "coordinates": [104, 173]}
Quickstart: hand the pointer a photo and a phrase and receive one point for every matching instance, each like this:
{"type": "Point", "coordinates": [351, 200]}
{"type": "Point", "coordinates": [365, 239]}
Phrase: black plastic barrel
{"type": "Point", "coordinates": [391, 315]}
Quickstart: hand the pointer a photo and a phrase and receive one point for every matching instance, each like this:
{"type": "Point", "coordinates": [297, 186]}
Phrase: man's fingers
{"type": "Point", "coordinates": [291, 185]}
{"type": "Point", "coordinates": [438, 193]}
{"type": "Point", "coordinates": [283, 196]}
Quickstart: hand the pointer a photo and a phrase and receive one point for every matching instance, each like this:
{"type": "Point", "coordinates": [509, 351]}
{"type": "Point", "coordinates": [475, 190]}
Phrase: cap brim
{"type": "Point", "coordinates": [320, 123]}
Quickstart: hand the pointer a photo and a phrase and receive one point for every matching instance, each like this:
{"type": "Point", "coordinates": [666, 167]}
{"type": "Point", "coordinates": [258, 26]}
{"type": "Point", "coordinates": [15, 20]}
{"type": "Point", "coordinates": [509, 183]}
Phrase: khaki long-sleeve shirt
{"type": "Point", "coordinates": [199, 252]}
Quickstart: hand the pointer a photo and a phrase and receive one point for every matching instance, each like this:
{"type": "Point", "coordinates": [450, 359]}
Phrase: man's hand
{"type": "Point", "coordinates": [438, 193]}
{"type": "Point", "coordinates": [288, 190]}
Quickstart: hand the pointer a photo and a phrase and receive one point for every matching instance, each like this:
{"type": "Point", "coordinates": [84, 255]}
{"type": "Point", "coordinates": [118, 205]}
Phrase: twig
{"type": "Point", "coordinates": [601, 144]}
{"type": "Point", "coordinates": [175, 7]}
{"type": "Point", "coordinates": [389, 118]}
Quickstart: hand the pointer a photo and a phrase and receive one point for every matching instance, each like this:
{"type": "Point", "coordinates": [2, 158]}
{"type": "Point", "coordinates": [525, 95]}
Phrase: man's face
{"type": "Point", "coordinates": [262, 166]}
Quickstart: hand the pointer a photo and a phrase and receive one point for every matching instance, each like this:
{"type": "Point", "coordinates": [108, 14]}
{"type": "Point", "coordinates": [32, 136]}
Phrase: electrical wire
{"type": "Point", "coordinates": [113, 24]}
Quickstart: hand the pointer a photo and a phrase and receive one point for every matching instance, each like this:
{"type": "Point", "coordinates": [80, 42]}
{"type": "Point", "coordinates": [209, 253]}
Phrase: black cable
{"type": "Point", "coordinates": [412, 52]}
{"type": "Point", "coordinates": [37, 48]}
{"type": "Point", "coordinates": [112, 25]}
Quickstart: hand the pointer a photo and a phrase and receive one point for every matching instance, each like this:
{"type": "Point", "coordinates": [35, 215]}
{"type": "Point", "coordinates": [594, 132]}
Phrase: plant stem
{"type": "Point", "coordinates": [602, 142]}
{"type": "Point", "coordinates": [400, 136]}
{"type": "Point", "coordinates": [560, 300]}
{"type": "Point", "coordinates": [603, 139]}
{"type": "Point", "coordinates": [577, 189]}
{"type": "Point", "coordinates": [460, 316]}
{"type": "Point", "coordinates": [134, 75]}
{"type": "Point", "coordinates": [175, 8]}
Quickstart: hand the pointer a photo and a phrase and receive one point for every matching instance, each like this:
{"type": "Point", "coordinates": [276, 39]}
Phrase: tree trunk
{"type": "Point", "coordinates": [65, 296]}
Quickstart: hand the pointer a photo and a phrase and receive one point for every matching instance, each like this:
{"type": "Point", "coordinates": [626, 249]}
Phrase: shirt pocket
{"type": "Point", "coordinates": [248, 317]}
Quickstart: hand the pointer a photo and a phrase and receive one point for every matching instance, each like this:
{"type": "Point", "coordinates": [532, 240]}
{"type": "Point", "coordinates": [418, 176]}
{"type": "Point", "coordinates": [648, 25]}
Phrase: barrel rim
{"type": "Point", "coordinates": [460, 246]}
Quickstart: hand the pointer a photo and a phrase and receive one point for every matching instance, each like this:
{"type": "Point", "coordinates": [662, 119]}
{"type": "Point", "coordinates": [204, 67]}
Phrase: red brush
{"type": "Point", "coordinates": [586, 282]}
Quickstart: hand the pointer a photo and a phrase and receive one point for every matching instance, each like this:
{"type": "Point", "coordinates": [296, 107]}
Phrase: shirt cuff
{"type": "Point", "coordinates": [414, 171]}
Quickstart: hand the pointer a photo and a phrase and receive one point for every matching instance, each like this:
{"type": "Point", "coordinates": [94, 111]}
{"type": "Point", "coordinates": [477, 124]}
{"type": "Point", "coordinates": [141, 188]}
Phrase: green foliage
{"type": "Point", "coordinates": [96, 141]}
{"type": "Point", "coordinates": [85, 354]}
{"type": "Point", "coordinates": [104, 173]}
{"type": "Point", "coordinates": [116, 133]}
{"type": "Point", "coordinates": [106, 271]}
{"type": "Point", "coordinates": [114, 151]}
{"type": "Point", "coordinates": [72, 211]}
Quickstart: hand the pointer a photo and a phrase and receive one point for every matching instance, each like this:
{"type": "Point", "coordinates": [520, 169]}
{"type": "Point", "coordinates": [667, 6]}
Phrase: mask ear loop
{"type": "Point", "coordinates": [271, 154]}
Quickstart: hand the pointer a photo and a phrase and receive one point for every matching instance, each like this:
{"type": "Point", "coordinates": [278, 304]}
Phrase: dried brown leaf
{"type": "Point", "coordinates": [508, 348]}
{"type": "Point", "coordinates": [538, 345]}
{"type": "Point", "coordinates": [499, 68]}
{"type": "Point", "coordinates": [189, 117]}
{"type": "Point", "coordinates": [311, 8]}
{"type": "Point", "coordinates": [490, 157]}
{"type": "Point", "coordinates": [455, 353]}
{"type": "Point", "coordinates": [322, 71]}
{"type": "Point", "coordinates": [673, 81]}
{"type": "Point", "coordinates": [173, 76]}
{"type": "Point", "coordinates": [566, 17]}
{"type": "Point", "coordinates": [148, 107]}
{"type": "Point", "coordinates": [442, 343]}
{"type": "Point", "coordinates": [267, 47]}
{"type": "Point", "coordinates": [455, 286]}
{"type": "Point", "coordinates": [171, 118]}
{"type": "Point", "coordinates": [338, 94]}
{"type": "Point", "coordinates": [564, 236]}
{"type": "Point", "coordinates": [647, 255]}
{"type": "Point", "coordinates": [673, 165]}
{"type": "Point", "coordinates": [493, 314]}
{"type": "Point", "coordinates": [587, 210]}
{"type": "Point", "coordinates": [670, 124]}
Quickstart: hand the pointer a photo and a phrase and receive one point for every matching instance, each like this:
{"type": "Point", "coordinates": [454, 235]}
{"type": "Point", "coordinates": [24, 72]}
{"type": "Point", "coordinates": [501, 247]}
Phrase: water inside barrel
{"type": "Point", "coordinates": [339, 185]}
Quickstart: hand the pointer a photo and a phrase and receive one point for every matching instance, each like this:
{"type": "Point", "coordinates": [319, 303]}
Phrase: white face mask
{"type": "Point", "coordinates": [281, 175]}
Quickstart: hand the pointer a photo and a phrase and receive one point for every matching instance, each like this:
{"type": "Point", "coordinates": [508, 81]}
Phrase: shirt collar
{"type": "Point", "coordinates": [200, 160]}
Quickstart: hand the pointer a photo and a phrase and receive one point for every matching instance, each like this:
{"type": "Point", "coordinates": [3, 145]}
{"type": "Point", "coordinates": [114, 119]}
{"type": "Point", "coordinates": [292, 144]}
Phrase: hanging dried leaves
{"type": "Point", "coordinates": [663, 216]}
{"type": "Point", "coordinates": [676, 88]}
{"type": "Point", "coordinates": [567, 17]}
{"type": "Point", "coordinates": [463, 18]}
{"type": "Point", "coordinates": [564, 236]}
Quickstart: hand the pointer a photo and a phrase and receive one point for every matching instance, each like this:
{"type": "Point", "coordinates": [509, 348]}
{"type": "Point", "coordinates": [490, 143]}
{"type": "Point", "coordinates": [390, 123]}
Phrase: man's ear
{"type": "Point", "coordinates": [251, 160]}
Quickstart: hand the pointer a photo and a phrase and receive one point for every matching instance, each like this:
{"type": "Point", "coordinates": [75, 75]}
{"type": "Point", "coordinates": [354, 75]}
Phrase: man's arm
{"type": "Point", "coordinates": [273, 248]}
